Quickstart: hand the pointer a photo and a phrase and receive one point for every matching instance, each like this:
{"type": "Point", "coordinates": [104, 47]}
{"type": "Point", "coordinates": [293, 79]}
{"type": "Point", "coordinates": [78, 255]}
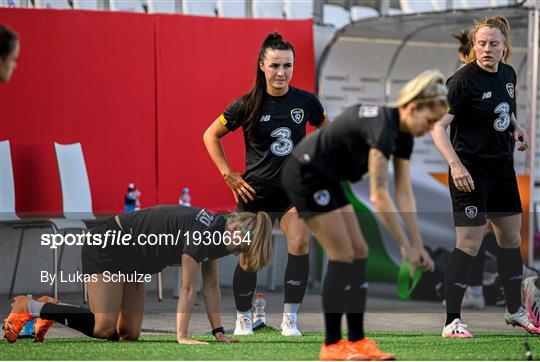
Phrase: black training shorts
{"type": "Point", "coordinates": [96, 260]}
{"type": "Point", "coordinates": [268, 198]}
{"type": "Point", "coordinates": [310, 191]}
{"type": "Point", "coordinates": [496, 194]}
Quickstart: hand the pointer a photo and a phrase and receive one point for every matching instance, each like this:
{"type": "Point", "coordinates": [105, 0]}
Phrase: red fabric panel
{"type": "Point", "coordinates": [203, 65]}
{"type": "Point", "coordinates": [84, 77]}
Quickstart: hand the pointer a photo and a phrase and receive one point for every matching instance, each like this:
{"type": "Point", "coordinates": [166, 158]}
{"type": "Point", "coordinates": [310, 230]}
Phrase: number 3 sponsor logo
{"type": "Point", "coordinates": [501, 124]}
{"type": "Point", "coordinates": [283, 145]}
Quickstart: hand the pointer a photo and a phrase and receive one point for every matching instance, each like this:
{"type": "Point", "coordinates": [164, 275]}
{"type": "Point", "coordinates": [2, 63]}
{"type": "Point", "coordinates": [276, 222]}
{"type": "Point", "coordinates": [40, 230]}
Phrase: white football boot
{"type": "Point", "coordinates": [244, 326]}
{"type": "Point", "coordinates": [289, 325]}
{"type": "Point", "coordinates": [456, 329]}
{"type": "Point", "coordinates": [520, 319]}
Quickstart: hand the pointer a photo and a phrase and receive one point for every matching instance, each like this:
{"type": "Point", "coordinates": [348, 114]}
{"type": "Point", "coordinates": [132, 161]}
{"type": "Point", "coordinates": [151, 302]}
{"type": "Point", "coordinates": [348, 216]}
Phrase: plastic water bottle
{"type": "Point", "coordinates": [259, 304]}
{"type": "Point", "coordinates": [28, 329]}
{"type": "Point", "coordinates": [185, 199]}
{"type": "Point", "coordinates": [131, 198]}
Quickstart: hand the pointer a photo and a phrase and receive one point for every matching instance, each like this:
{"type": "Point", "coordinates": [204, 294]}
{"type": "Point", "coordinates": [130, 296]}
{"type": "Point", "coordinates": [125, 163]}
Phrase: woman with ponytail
{"type": "Point", "coordinates": [115, 272]}
{"type": "Point", "coordinates": [273, 116]}
{"type": "Point", "coordinates": [361, 140]}
{"type": "Point", "coordinates": [479, 152]}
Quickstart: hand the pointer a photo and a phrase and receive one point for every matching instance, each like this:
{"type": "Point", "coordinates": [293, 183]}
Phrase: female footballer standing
{"type": "Point", "coordinates": [9, 52]}
{"type": "Point", "coordinates": [273, 117]}
{"type": "Point", "coordinates": [479, 152]}
{"type": "Point", "coordinates": [360, 140]}
{"type": "Point", "coordinates": [117, 304]}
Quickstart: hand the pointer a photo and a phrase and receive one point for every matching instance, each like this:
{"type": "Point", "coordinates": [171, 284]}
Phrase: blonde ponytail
{"type": "Point", "coordinates": [259, 225]}
{"type": "Point", "coordinates": [427, 89]}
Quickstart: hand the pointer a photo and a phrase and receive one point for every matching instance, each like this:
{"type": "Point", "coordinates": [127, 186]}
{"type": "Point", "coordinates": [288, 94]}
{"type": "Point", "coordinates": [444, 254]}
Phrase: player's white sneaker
{"type": "Point", "coordinates": [473, 301]}
{"type": "Point", "coordinates": [531, 296]}
{"type": "Point", "coordinates": [289, 326]}
{"type": "Point", "coordinates": [456, 329]}
{"type": "Point", "coordinates": [520, 319]}
{"type": "Point", "coordinates": [244, 325]}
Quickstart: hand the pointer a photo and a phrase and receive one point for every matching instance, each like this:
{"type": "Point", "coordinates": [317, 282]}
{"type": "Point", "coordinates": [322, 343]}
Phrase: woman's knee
{"type": "Point", "coordinates": [361, 251]}
{"type": "Point", "coordinates": [298, 244]}
{"type": "Point", "coordinates": [509, 240]}
{"type": "Point", "coordinates": [104, 330]}
{"type": "Point", "coordinates": [344, 255]}
{"type": "Point", "coordinates": [469, 246]}
{"type": "Point", "coordinates": [125, 335]}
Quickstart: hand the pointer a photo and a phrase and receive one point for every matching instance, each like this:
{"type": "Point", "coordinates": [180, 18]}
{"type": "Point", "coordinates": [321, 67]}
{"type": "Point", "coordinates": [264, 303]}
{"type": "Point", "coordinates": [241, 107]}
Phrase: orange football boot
{"type": "Point", "coordinates": [42, 325]}
{"type": "Point", "coordinates": [17, 318]}
{"type": "Point", "coordinates": [341, 351]}
{"type": "Point", "coordinates": [369, 348]}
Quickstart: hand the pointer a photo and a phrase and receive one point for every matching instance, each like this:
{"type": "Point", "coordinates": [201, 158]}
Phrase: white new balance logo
{"type": "Point", "coordinates": [265, 118]}
{"type": "Point", "coordinates": [486, 95]}
{"type": "Point", "coordinates": [296, 283]}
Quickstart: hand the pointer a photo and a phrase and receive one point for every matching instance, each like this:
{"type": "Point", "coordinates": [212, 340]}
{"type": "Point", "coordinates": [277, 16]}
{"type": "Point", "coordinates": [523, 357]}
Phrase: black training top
{"type": "Point", "coordinates": [281, 125]}
{"type": "Point", "coordinates": [340, 150]}
{"type": "Point", "coordinates": [482, 104]}
{"type": "Point", "coordinates": [174, 220]}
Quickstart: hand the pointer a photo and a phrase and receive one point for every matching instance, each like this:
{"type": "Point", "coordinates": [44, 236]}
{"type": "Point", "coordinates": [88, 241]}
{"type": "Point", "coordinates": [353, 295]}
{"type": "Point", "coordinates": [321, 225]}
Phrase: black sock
{"type": "Point", "coordinates": [336, 284]}
{"type": "Point", "coordinates": [296, 278]}
{"type": "Point", "coordinates": [78, 318]}
{"type": "Point", "coordinates": [357, 301]}
{"type": "Point", "coordinates": [244, 284]}
{"type": "Point", "coordinates": [332, 322]}
{"type": "Point", "coordinates": [457, 275]}
{"type": "Point", "coordinates": [476, 278]}
{"type": "Point", "coordinates": [510, 268]}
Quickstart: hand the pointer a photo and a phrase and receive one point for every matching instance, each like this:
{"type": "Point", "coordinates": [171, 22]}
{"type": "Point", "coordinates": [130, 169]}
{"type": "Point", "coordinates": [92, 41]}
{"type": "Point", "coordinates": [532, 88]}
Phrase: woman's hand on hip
{"type": "Point", "coordinates": [239, 187]}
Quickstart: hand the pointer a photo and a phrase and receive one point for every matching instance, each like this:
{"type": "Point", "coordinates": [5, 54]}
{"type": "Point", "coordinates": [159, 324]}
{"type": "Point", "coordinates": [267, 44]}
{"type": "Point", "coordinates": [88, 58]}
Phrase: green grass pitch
{"type": "Point", "coordinates": [268, 344]}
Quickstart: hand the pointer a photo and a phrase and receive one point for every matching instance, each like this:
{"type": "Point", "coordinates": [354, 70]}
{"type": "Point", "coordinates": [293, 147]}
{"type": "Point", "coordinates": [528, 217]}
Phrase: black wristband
{"type": "Point", "coordinates": [218, 330]}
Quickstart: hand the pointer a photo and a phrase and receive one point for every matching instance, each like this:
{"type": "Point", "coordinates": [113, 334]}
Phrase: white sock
{"type": "Point", "coordinates": [291, 307]}
{"type": "Point", "coordinates": [246, 314]}
{"type": "Point", "coordinates": [34, 307]}
{"type": "Point", "coordinates": [477, 290]}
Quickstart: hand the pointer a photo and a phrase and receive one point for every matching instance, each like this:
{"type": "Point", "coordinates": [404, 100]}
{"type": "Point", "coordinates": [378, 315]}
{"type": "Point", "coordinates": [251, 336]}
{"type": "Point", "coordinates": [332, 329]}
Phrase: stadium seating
{"type": "Point", "coordinates": [52, 4]}
{"type": "Point", "coordinates": [335, 16]}
{"type": "Point", "coordinates": [7, 185]}
{"type": "Point", "coordinates": [76, 195]}
{"type": "Point", "coordinates": [8, 215]}
{"type": "Point", "coordinates": [362, 12]}
{"type": "Point", "coordinates": [10, 3]}
{"type": "Point", "coordinates": [426, 6]}
{"type": "Point", "coordinates": [86, 5]}
{"type": "Point", "coordinates": [298, 9]}
{"type": "Point", "coordinates": [161, 6]}
{"type": "Point", "coordinates": [394, 11]}
{"type": "Point", "coordinates": [199, 7]}
{"type": "Point", "coordinates": [267, 9]}
{"type": "Point", "coordinates": [231, 8]}
{"type": "Point", "coordinates": [133, 6]}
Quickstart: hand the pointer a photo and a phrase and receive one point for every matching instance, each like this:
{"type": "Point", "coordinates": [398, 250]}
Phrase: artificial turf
{"type": "Point", "coordinates": [268, 344]}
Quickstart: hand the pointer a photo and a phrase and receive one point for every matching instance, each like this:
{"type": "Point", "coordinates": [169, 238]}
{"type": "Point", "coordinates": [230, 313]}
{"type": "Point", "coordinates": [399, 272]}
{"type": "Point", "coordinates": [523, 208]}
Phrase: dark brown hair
{"type": "Point", "coordinates": [8, 41]}
{"type": "Point", "coordinates": [465, 44]}
{"type": "Point", "coordinates": [249, 106]}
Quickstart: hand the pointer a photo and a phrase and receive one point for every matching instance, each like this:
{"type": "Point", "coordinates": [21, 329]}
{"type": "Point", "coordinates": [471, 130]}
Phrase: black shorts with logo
{"type": "Point", "coordinates": [268, 198]}
{"type": "Point", "coordinates": [96, 260]}
{"type": "Point", "coordinates": [309, 190]}
{"type": "Point", "coordinates": [495, 194]}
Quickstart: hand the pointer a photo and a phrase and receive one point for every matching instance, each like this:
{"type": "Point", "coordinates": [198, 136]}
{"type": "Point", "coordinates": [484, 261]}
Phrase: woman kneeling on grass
{"type": "Point", "coordinates": [116, 307]}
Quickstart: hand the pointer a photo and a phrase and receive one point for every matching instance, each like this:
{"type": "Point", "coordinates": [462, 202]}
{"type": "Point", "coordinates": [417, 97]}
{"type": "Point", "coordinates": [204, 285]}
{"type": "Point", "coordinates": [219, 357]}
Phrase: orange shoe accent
{"type": "Point", "coordinates": [42, 325]}
{"type": "Point", "coordinates": [341, 351]}
{"type": "Point", "coordinates": [368, 347]}
{"type": "Point", "coordinates": [17, 318]}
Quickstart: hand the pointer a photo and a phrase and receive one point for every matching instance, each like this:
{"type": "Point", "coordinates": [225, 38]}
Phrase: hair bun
{"type": "Point", "coordinates": [272, 37]}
